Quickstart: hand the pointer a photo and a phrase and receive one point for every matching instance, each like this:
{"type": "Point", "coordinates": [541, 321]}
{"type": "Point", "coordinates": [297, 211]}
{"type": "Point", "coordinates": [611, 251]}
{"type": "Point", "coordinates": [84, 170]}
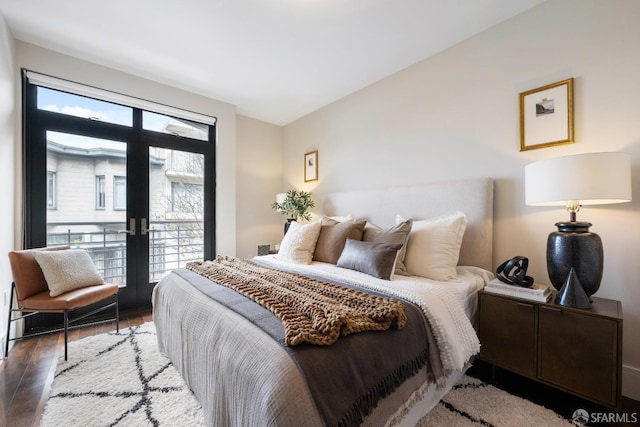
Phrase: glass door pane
{"type": "Point", "coordinates": [86, 187]}
{"type": "Point", "coordinates": [176, 210]}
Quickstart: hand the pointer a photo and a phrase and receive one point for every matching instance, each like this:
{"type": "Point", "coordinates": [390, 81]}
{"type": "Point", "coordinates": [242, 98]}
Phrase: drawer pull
{"type": "Point", "coordinates": [524, 305]}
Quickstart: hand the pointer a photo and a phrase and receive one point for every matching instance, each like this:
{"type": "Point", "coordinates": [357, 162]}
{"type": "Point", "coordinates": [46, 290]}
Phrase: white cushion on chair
{"type": "Point", "coordinates": [67, 270]}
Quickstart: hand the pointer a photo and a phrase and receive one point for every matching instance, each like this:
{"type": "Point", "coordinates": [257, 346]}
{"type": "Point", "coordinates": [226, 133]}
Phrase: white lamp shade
{"type": "Point", "coordinates": [590, 179]}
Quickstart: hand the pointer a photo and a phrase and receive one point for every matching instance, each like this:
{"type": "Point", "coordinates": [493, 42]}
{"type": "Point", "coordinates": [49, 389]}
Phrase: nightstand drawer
{"type": "Point", "coordinates": [507, 331]}
{"type": "Point", "coordinates": [578, 352]}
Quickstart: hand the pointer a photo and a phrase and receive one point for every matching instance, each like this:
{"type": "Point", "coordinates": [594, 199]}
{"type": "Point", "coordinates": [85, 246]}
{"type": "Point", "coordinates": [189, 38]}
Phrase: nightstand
{"type": "Point", "coordinates": [577, 351]}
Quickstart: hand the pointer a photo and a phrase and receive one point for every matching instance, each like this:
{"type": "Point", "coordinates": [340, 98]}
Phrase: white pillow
{"type": "Point", "coordinates": [433, 248]}
{"type": "Point", "coordinates": [299, 243]}
{"type": "Point", "coordinates": [339, 218]}
{"type": "Point", "coordinates": [67, 270]}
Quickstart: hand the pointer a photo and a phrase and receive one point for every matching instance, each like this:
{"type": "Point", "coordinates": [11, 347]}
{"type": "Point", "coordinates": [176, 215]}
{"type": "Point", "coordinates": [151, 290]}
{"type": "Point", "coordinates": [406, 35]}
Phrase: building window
{"type": "Point", "coordinates": [101, 195]}
{"type": "Point", "coordinates": [187, 198]}
{"type": "Point", "coordinates": [119, 193]}
{"type": "Point", "coordinates": [51, 190]}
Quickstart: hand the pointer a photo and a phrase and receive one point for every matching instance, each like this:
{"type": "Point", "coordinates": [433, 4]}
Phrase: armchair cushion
{"type": "Point", "coordinates": [67, 270]}
{"type": "Point", "coordinates": [71, 300]}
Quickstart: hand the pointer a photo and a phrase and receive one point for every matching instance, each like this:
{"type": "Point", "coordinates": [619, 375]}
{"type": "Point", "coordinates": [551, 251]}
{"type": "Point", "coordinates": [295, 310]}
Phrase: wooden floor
{"type": "Point", "coordinates": [26, 375]}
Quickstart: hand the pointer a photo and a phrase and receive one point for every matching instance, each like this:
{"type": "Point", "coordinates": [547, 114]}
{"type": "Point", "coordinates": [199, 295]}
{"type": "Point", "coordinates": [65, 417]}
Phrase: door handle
{"type": "Point", "coordinates": [143, 227]}
{"type": "Point", "coordinates": [132, 227]}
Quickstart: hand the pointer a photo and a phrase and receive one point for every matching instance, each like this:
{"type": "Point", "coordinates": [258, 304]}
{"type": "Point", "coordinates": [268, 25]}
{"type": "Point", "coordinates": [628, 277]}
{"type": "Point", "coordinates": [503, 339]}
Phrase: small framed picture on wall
{"type": "Point", "coordinates": [311, 166]}
{"type": "Point", "coordinates": [546, 116]}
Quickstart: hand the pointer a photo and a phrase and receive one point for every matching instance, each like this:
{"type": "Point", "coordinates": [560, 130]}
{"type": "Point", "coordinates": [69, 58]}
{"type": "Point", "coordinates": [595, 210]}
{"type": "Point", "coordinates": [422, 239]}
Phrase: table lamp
{"type": "Point", "coordinates": [575, 181]}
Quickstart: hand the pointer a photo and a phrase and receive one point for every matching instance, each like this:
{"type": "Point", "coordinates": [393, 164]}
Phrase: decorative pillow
{"type": "Point", "coordinates": [67, 270]}
{"type": "Point", "coordinates": [399, 233]}
{"type": "Point", "coordinates": [339, 218]}
{"type": "Point", "coordinates": [298, 244]}
{"type": "Point", "coordinates": [333, 235]}
{"type": "Point", "coordinates": [433, 248]}
{"type": "Point", "coordinates": [373, 258]}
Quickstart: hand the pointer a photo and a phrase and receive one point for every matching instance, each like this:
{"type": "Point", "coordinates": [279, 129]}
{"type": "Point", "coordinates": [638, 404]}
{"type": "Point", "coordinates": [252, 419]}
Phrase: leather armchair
{"type": "Point", "coordinates": [32, 295]}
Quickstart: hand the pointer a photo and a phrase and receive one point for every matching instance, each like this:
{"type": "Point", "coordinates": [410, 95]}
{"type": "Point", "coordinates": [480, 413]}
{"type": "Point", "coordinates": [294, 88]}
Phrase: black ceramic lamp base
{"type": "Point", "coordinates": [574, 246]}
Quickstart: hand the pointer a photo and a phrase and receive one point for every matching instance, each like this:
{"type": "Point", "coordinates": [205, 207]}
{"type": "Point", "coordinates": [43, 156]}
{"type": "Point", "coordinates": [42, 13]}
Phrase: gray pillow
{"type": "Point", "coordinates": [333, 235]}
{"type": "Point", "coordinates": [373, 258]}
{"type": "Point", "coordinates": [397, 234]}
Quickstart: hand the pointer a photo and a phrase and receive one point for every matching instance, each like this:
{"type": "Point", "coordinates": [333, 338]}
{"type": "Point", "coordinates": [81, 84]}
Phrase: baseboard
{"type": "Point", "coordinates": [631, 382]}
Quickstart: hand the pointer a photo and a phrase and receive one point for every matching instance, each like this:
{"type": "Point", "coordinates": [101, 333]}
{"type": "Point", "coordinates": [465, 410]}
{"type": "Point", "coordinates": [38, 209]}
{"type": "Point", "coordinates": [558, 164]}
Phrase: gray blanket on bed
{"type": "Point", "coordinates": [348, 378]}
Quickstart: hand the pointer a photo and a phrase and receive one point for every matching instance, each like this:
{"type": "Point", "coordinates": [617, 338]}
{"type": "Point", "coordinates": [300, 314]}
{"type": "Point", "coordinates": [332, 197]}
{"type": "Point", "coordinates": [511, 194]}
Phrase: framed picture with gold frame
{"type": "Point", "coordinates": [311, 166]}
{"type": "Point", "coordinates": [546, 116]}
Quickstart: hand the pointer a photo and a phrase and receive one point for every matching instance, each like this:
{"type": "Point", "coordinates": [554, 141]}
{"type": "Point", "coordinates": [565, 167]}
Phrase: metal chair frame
{"type": "Point", "coordinates": [67, 321]}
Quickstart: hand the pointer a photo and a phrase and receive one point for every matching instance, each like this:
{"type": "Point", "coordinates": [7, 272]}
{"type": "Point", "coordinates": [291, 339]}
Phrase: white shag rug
{"type": "Point", "coordinates": [472, 402]}
{"type": "Point", "coordinates": [122, 379]}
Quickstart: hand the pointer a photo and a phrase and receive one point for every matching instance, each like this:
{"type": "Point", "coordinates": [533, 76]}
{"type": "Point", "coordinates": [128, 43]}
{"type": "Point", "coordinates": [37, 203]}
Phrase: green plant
{"type": "Point", "coordinates": [295, 205]}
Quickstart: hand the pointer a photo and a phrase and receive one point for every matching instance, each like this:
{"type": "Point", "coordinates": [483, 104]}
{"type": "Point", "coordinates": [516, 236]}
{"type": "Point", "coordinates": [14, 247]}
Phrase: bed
{"type": "Point", "coordinates": [243, 374]}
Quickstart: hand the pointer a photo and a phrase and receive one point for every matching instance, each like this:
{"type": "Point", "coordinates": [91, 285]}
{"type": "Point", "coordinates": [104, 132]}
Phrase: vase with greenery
{"type": "Point", "coordinates": [295, 205]}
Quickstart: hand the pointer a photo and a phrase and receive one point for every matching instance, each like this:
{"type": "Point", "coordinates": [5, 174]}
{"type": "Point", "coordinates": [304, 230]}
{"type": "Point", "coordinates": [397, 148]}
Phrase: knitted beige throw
{"type": "Point", "coordinates": [311, 311]}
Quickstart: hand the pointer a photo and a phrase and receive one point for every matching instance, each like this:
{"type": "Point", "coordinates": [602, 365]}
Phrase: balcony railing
{"type": "Point", "coordinates": [172, 244]}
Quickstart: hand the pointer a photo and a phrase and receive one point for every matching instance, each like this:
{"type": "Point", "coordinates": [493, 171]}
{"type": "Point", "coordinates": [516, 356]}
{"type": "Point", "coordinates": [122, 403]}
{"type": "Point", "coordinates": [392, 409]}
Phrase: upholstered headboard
{"type": "Point", "coordinates": [474, 197]}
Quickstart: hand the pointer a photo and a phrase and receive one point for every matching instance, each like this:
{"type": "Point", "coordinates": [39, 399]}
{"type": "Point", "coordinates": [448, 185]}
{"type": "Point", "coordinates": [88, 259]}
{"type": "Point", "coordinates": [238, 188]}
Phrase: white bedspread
{"type": "Point", "coordinates": [238, 373]}
{"type": "Point", "coordinates": [242, 377]}
{"type": "Point", "coordinates": [441, 302]}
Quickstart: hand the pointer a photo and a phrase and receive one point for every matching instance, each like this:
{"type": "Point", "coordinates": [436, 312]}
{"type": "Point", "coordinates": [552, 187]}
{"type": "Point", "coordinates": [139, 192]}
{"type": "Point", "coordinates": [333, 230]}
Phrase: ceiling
{"type": "Point", "coordinates": [275, 60]}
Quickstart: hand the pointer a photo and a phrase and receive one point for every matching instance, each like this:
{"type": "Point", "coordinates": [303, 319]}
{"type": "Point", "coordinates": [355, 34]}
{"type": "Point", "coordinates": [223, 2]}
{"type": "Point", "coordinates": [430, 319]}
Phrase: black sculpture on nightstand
{"type": "Point", "coordinates": [514, 272]}
{"type": "Point", "coordinates": [571, 294]}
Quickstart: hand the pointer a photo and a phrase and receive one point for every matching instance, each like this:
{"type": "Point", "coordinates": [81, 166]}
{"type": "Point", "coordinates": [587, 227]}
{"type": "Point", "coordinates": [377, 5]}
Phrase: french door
{"type": "Point", "coordinates": [132, 187]}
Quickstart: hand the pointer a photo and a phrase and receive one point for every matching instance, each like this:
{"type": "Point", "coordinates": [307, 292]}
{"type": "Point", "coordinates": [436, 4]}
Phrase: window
{"type": "Point", "coordinates": [82, 106]}
{"type": "Point", "coordinates": [97, 165]}
{"type": "Point", "coordinates": [119, 193]}
{"type": "Point", "coordinates": [51, 190]}
{"type": "Point", "coordinates": [174, 126]}
{"type": "Point", "coordinates": [187, 198]}
{"type": "Point", "coordinates": [100, 192]}
{"type": "Point", "coordinates": [185, 163]}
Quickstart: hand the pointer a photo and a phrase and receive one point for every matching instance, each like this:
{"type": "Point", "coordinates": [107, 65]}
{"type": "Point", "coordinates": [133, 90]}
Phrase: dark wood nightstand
{"type": "Point", "coordinates": [578, 351]}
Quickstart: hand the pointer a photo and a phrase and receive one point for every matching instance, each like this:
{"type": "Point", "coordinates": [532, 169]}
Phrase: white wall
{"type": "Point", "coordinates": [7, 136]}
{"type": "Point", "coordinates": [259, 179]}
{"type": "Point", "coordinates": [49, 62]}
{"type": "Point", "coordinates": [455, 115]}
